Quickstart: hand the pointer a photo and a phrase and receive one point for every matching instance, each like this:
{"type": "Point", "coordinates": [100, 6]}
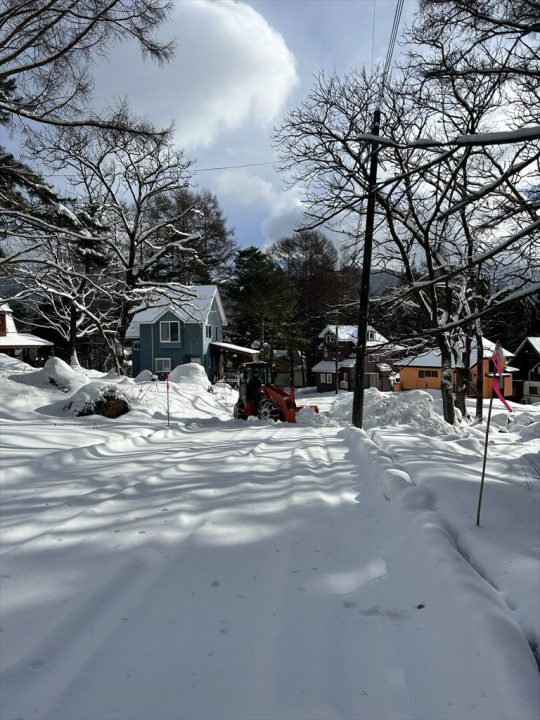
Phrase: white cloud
{"type": "Point", "coordinates": [283, 208]}
{"type": "Point", "coordinates": [231, 67]}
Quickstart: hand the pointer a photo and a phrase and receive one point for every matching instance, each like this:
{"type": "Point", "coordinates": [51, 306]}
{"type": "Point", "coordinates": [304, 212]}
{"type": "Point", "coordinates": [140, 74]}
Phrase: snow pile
{"type": "Point", "coordinates": [307, 416]}
{"type": "Point", "coordinates": [191, 374]}
{"type": "Point", "coordinates": [55, 372]}
{"type": "Point", "coordinates": [526, 426]}
{"type": "Point", "coordinates": [144, 376]}
{"type": "Point", "coordinates": [13, 365]}
{"type": "Point", "coordinates": [413, 408]}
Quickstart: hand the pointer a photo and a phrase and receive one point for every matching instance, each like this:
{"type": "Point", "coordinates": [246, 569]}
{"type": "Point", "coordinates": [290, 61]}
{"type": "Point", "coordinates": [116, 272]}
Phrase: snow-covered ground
{"type": "Point", "coordinates": [195, 566]}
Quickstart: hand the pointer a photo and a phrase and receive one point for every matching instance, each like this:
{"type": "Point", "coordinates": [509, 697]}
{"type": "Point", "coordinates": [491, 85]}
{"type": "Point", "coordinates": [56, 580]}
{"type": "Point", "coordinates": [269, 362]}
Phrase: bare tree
{"type": "Point", "coordinates": [121, 176]}
{"type": "Point", "coordinates": [46, 50]}
{"type": "Point", "coordinates": [46, 47]}
{"type": "Point", "coordinates": [435, 210]}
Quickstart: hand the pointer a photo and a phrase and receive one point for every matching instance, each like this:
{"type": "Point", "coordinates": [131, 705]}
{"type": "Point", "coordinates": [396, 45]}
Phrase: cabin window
{"type": "Point", "coordinates": [428, 373]}
{"type": "Point", "coordinates": [329, 378]}
{"type": "Point", "coordinates": [169, 331]}
{"type": "Point", "coordinates": [162, 365]}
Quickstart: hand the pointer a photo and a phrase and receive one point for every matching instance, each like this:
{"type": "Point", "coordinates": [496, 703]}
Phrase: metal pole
{"type": "Point", "coordinates": [361, 345]}
{"type": "Point", "coordinates": [484, 463]}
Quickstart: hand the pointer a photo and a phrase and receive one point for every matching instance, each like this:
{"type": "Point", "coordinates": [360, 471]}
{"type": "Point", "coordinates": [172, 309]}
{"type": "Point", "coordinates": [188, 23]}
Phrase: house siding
{"type": "Point", "coordinates": [409, 379]}
{"type": "Point", "coordinates": [193, 345]}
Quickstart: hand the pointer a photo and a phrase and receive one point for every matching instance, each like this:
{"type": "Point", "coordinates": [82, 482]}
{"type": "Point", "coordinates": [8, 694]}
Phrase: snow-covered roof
{"type": "Point", "coordinates": [13, 339]}
{"type": "Point", "coordinates": [329, 366]}
{"type": "Point", "coordinates": [349, 333]}
{"type": "Point", "coordinates": [235, 348]}
{"type": "Point", "coordinates": [193, 309]}
{"type": "Point", "coordinates": [22, 340]}
{"type": "Point", "coordinates": [432, 358]}
{"type": "Point", "coordinates": [534, 342]}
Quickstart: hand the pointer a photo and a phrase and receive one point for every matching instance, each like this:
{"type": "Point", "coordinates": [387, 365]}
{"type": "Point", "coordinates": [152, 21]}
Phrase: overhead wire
{"type": "Point", "coordinates": [391, 45]}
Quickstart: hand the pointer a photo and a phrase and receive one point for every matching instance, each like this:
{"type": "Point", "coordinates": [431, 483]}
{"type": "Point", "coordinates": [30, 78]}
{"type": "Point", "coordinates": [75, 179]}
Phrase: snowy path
{"type": "Point", "coordinates": [236, 570]}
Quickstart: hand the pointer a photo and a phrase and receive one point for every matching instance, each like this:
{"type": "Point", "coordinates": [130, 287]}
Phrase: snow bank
{"type": "Point", "coordinates": [413, 408]}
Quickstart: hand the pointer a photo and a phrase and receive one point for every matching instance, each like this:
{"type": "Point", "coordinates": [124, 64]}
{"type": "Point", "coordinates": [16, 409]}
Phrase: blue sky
{"type": "Point", "coordinates": [239, 67]}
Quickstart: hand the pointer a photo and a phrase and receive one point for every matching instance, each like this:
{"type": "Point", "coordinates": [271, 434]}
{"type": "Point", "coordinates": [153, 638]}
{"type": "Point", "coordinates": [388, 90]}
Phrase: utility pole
{"type": "Point", "coordinates": [361, 344]}
{"type": "Point", "coordinates": [337, 354]}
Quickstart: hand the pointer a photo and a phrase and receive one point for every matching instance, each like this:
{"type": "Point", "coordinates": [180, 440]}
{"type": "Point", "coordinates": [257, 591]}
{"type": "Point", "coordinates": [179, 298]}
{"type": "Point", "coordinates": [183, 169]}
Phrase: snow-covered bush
{"type": "Point", "coordinates": [98, 399]}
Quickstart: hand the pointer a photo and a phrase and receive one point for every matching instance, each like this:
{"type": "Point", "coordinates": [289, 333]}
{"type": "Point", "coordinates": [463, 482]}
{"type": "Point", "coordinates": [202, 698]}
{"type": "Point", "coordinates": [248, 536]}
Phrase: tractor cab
{"type": "Point", "coordinates": [257, 395]}
{"type": "Point", "coordinates": [251, 376]}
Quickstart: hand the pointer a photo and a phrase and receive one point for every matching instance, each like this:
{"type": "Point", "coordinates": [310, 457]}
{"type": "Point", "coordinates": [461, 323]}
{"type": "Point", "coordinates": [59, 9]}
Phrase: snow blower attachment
{"type": "Point", "coordinates": [257, 395]}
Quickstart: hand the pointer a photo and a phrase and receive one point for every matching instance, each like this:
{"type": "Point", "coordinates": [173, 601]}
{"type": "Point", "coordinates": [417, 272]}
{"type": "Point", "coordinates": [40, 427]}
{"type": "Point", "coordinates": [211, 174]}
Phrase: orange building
{"type": "Point", "coordinates": [423, 372]}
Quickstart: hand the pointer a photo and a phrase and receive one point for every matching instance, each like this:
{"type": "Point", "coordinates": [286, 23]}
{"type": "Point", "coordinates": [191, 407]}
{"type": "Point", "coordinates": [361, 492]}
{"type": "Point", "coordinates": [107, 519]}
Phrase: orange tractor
{"type": "Point", "coordinates": [257, 395]}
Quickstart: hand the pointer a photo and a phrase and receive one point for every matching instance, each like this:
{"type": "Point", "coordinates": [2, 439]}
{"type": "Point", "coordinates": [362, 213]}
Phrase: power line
{"type": "Point", "coordinates": [232, 167]}
{"type": "Point", "coordinates": [373, 36]}
{"type": "Point", "coordinates": [392, 43]}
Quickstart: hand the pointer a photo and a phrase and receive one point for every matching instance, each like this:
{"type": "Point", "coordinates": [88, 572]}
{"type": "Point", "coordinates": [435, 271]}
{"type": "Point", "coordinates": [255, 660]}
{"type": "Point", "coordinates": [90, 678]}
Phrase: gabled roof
{"type": "Point", "coordinates": [432, 358]}
{"type": "Point", "coordinates": [193, 309]}
{"type": "Point", "coordinates": [349, 333]}
{"type": "Point", "coordinates": [533, 341]}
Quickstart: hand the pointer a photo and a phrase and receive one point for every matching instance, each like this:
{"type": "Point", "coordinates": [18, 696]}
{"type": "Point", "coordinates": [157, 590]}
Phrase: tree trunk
{"type": "Point", "coordinates": [462, 377]}
{"type": "Point", "coordinates": [446, 382]}
{"type": "Point", "coordinates": [72, 341]}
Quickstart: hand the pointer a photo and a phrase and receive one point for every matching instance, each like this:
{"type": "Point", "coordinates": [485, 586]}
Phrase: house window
{"type": "Point", "coordinates": [2, 324]}
{"type": "Point", "coordinates": [209, 332]}
{"type": "Point", "coordinates": [374, 358]}
{"type": "Point", "coordinates": [371, 335]}
{"type": "Point", "coordinates": [136, 344]}
{"type": "Point", "coordinates": [169, 331]}
{"type": "Point", "coordinates": [428, 373]}
{"type": "Point", "coordinates": [371, 380]}
{"type": "Point", "coordinates": [329, 378]}
{"type": "Point", "coordinates": [162, 365]}
{"type": "Point", "coordinates": [330, 338]}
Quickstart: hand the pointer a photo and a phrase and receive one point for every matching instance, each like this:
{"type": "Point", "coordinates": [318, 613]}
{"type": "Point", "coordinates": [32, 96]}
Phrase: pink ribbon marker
{"type": "Point", "coordinates": [495, 382]}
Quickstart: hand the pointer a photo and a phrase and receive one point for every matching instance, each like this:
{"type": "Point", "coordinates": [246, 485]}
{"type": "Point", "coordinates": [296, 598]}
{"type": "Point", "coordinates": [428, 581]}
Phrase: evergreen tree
{"type": "Point", "coordinates": [262, 300]}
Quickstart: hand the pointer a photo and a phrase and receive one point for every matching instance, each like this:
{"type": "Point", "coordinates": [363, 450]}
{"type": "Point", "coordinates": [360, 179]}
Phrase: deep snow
{"type": "Point", "coordinates": [204, 567]}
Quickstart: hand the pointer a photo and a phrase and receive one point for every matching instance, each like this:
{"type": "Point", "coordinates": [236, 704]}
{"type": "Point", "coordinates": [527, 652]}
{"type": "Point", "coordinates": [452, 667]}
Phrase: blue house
{"type": "Point", "coordinates": [175, 332]}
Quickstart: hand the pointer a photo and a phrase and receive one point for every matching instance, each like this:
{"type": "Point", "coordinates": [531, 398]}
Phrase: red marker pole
{"type": "Point", "coordinates": [497, 387]}
{"type": "Point", "coordinates": [168, 417]}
